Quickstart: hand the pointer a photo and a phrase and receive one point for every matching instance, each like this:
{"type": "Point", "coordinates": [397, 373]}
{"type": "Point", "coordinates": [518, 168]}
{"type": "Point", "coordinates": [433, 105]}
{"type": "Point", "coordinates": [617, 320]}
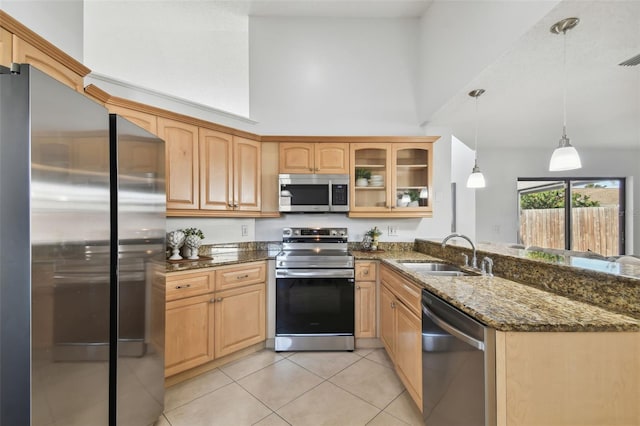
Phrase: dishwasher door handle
{"type": "Point", "coordinates": [478, 344]}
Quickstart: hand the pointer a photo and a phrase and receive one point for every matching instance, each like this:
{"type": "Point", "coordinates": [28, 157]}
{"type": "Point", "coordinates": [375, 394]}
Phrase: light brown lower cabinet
{"type": "Point", "coordinates": [202, 327]}
{"type": "Point", "coordinates": [365, 299]}
{"type": "Point", "coordinates": [188, 333]}
{"type": "Point", "coordinates": [387, 320]}
{"type": "Point", "coordinates": [401, 329]}
{"type": "Point", "coordinates": [568, 378]}
{"type": "Point", "coordinates": [239, 319]}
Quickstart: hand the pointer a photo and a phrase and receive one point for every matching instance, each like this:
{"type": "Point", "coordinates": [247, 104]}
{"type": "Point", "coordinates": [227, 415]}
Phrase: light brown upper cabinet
{"type": "Point", "coordinates": [26, 53]}
{"type": "Point", "coordinates": [6, 49]}
{"type": "Point", "coordinates": [181, 150]}
{"type": "Point", "coordinates": [229, 172]}
{"type": "Point", "coordinates": [147, 121]}
{"type": "Point", "coordinates": [401, 179]}
{"type": "Point", "coordinates": [310, 157]}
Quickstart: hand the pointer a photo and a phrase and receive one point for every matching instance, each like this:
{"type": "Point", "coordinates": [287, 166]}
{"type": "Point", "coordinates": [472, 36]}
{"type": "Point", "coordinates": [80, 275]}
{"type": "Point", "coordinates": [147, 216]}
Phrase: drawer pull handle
{"type": "Point", "coordinates": [178, 287]}
{"type": "Point", "coordinates": [241, 277]}
{"type": "Point", "coordinates": [409, 289]}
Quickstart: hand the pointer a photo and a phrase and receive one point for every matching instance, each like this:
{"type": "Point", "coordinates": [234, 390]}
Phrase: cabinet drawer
{"type": "Point", "coordinates": [186, 285]}
{"type": "Point", "coordinates": [240, 275]}
{"type": "Point", "coordinates": [403, 289]}
{"type": "Point", "coordinates": [366, 271]}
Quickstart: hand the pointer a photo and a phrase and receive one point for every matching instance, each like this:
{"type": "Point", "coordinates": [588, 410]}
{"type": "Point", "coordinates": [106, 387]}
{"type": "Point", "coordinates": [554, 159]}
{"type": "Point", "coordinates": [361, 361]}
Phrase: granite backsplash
{"type": "Point", "coordinates": [614, 292]}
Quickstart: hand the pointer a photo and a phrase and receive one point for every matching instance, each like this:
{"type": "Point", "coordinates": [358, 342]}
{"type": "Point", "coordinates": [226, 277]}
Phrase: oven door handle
{"type": "Point", "coordinates": [314, 273]}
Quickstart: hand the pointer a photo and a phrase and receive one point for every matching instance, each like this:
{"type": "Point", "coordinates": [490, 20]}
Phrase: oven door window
{"type": "Point", "coordinates": [314, 306]}
{"type": "Point", "coordinates": [308, 195]}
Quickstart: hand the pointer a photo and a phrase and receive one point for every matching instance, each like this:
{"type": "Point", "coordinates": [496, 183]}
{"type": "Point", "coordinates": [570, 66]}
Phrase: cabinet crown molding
{"type": "Point", "coordinates": [12, 25]}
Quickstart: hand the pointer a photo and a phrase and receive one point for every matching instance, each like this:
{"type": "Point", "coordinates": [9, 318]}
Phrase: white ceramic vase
{"type": "Point", "coordinates": [175, 240]}
{"type": "Point", "coordinates": [193, 243]}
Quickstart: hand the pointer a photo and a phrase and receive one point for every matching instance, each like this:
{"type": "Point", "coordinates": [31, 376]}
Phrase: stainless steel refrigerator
{"type": "Point", "coordinates": [82, 249]}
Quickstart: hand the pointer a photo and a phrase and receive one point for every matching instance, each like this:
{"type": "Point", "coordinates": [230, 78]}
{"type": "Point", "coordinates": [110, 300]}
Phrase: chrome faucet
{"type": "Point", "coordinates": [474, 259]}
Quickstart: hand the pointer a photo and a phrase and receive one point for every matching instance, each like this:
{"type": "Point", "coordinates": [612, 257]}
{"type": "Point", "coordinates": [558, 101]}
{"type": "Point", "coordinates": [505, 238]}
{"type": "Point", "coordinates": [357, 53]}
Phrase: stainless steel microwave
{"type": "Point", "coordinates": [313, 193]}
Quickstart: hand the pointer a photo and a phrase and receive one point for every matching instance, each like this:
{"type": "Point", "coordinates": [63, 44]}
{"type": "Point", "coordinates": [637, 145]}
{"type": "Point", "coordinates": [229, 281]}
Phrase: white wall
{"type": "Point", "coordinates": [462, 158]}
{"type": "Point", "coordinates": [459, 39]}
{"type": "Point", "coordinates": [329, 76]}
{"type": "Point", "coordinates": [216, 230]}
{"type": "Point", "coordinates": [193, 50]}
{"type": "Point", "coordinates": [497, 205]}
{"type": "Point", "coordinates": [58, 21]}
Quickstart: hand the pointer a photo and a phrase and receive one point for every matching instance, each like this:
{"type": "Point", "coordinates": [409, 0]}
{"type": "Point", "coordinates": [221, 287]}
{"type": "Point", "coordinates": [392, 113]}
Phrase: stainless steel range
{"type": "Point", "coordinates": [314, 291]}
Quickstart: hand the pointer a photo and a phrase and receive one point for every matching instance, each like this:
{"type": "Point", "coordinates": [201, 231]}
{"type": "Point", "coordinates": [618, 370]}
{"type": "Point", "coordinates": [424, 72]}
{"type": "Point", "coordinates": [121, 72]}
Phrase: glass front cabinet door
{"type": "Point", "coordinates": [391, 179]}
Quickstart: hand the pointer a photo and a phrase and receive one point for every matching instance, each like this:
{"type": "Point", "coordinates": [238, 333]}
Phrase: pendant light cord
{"type": "Point", "coordinates": [476, 142]}
{"type": "Point", "coordinates": [564, 83]}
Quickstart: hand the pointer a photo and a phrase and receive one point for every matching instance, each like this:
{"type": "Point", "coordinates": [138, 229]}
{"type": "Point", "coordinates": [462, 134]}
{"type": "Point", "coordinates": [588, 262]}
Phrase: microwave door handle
{"type": "Point", "coordinates": [330, 195]}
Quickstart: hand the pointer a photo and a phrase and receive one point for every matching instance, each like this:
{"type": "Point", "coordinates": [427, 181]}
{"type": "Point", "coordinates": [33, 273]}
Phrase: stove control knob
{"type": "Point", "coordinates": [296, 232]}
{"type": "Point", "coordinates": [342, 233]}
{"type": "Point", "coordinates": [281, 263]}
{"type": "Point", "coordinates": [334, 232]}
{"type": "Point", "coordinates": [286, 232]}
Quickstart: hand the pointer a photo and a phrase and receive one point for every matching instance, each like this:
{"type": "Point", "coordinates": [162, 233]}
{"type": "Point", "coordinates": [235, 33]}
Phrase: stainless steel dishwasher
{"type": "Point", "coordinates": [458, 366]}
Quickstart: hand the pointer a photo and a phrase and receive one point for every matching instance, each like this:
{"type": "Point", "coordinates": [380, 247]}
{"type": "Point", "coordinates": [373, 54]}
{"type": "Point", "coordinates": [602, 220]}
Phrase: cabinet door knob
{"type": "Point", "coordinates": [218, 299]}
{"type": "Point", "coordinates": [310, 169]}
{"type": "Point", "coordinates": [235, 206]}
{"type": "Point", "coordinates": [365, 272]}
{"type": "Point", "coordinates": [357, 287]}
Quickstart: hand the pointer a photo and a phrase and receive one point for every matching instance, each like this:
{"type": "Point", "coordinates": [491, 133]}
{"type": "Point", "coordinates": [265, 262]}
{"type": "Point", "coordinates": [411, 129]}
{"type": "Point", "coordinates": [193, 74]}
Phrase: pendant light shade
{"type": "Point", "coordinates": [565, 156]}
{"type": "Point", "coordinates": [476, 178]}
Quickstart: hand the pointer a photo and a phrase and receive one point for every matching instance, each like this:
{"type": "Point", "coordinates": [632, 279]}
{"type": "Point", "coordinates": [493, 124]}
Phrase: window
{"type": "Point", "coordinates": [581, 214]}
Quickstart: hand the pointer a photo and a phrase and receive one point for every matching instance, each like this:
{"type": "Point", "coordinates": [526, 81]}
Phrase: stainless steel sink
{"type": "Point", "coordinates": [434, 268]}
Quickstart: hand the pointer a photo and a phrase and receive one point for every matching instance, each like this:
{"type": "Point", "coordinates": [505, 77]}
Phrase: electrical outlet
{"type": "Point", "coordinates": [244, 230]}
{"type": "Point", "coordinates": [393, 231]}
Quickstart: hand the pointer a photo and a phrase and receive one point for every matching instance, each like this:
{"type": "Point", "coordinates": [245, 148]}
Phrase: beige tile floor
{"type": "Point", "coordinates": [298, 389]}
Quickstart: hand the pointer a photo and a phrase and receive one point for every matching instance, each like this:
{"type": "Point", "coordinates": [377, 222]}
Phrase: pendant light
{"type": "Point", "coordinates": [476, 178]}
{"type": "Point", "coordinates": [565, 156]}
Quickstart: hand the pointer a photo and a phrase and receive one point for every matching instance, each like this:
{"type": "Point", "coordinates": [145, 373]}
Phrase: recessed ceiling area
{"type": "Point", "coordinates": [522, 105]}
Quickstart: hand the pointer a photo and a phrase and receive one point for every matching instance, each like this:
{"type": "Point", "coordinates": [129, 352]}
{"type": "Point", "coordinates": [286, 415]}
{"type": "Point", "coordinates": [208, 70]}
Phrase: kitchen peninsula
{"type": "Point", "coordinates": [579, 361]}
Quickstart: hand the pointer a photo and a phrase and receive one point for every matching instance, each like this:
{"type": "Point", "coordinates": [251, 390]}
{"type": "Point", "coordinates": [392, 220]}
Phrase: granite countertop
{"type": "Point", "coordinates": [500, 303]}
{"type": "Point", "coordinates": [509, 306]}
{"type": "Point", "coordinates": [221, 259]}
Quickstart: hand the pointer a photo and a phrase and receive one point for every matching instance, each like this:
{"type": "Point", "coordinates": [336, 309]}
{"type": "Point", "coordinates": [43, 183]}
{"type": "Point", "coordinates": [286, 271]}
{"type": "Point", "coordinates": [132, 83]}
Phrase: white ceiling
{"type": "Point", "coordinates": [522, 105]}
{"type": "Point", "coordinates": [337, 8]}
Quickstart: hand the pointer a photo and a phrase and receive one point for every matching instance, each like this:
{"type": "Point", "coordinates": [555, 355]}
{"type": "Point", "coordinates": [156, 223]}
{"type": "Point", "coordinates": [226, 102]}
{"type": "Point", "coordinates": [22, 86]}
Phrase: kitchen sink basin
{"type": "Point", "coordinates": [434, 268]}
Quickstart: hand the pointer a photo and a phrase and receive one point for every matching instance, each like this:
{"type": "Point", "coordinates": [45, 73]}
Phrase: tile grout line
{"type": "Point", "coordinates": [323, 380]}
